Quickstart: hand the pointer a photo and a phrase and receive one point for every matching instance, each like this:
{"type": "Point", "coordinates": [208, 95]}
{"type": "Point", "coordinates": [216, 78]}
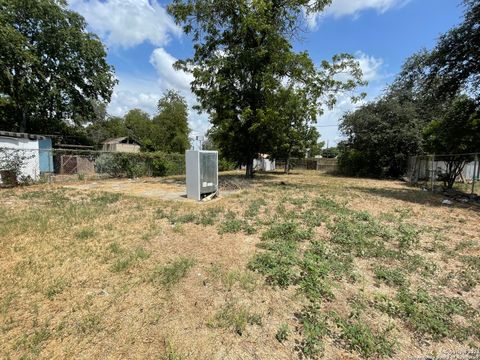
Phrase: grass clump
{"type": "Point", "coordinates": [169, 275]}
{"type": "Point", "coordinates": [127, 258]}
{"type": "Point", "coordinates": [278, 264]}
{"type": "Point", "coordinates": [254, 208]}
{"type": "Point", "coordinates": [85, 234]}
{"type": "Point", "coordinates": [358, 336]}
{"type": "Point", "coordinates": [106, 198]}
{"type": "Point", "coordinates": [235, 317]}
{"type": "Point", "coordinates": [391, 277]}
{"type": "Point", "coordinates": [56, 287]}
{"type": "Point", "coordinates": [282, 333]}
{"type": "Point", "coordinates": [231, 226]}
{"type": "Point", "coordinates": [245, 279]}
{"type": "Point", "coordinates": [318, 267]}
{"type": "Point", "coordinates": [314, 329]}
{"type": "Point", "coordinates": [427, 315]}
{"type": "Point", "coordinates": [208, 216]}
{"type": "Point", "coordinates": [32, 343]}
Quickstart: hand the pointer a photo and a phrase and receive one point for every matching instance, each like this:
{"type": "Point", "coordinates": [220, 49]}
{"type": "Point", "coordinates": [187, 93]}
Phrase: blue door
{"type": "Point", "coordinates": [46, 155]}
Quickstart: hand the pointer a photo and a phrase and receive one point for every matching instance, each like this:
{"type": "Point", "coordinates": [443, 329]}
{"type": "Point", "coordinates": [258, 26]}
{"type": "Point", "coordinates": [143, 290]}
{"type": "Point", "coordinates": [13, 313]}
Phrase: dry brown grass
{"type": "Point", "coordinates": [77, 267]}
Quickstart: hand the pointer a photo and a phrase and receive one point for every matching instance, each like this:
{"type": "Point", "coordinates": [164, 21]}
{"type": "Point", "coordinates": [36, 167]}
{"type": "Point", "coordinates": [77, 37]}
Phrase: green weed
{"type": "Point", "coordinates": [235, 317]}
{"type": "Point", "coordinates": [314, 329]}
{"type": "Point", "coordinates": [169, 275]}
{"type": "Point", "coordinates": [358, 336]}
{"type": "Point", "coordinates": [390, 276]}
{"type": "Point", "coordinates": [85, 233]}
{"type": "Point", "coordinates": [282, 333]}
{"type": "Point", "coordinates": [56, 287]}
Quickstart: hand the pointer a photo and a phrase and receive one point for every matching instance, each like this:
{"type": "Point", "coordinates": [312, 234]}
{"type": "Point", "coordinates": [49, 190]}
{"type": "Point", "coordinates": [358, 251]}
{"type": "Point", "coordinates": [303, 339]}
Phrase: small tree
{"type": "Point", "coordinates": [171, 124]}
{"type": "Point", "coordinates": [295, 133]}
{"type": "Point", "coordinates": [11, 163]}
{"type": "Point", "coordinates": [454, 134]}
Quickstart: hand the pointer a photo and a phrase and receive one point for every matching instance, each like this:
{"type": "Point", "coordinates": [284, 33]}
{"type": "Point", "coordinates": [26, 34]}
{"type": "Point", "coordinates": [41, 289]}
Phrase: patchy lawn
{"type": "Point", "coordinates": [305, 265]}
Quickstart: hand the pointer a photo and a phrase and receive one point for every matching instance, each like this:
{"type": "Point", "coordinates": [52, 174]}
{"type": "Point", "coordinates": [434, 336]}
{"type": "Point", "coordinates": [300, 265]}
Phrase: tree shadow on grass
{"type": "Point", "coordinates": [414, 195]}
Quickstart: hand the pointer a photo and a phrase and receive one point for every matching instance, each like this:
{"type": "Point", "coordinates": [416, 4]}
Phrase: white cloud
{"type": "Point", "coordinates": [340, 8]}
{"type": "Point", "coordinates": [127, 23]}
{"type": "Point", "coordinates": [163, 62]}
{"type": "Point", "coordinates": [134, 92]}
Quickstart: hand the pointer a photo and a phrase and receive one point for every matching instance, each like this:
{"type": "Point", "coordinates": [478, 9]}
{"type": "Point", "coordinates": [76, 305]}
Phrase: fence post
{"type": "Point", "coordinates": [475, 166]}
{"type": "Point", "coordinates": [432, 172]}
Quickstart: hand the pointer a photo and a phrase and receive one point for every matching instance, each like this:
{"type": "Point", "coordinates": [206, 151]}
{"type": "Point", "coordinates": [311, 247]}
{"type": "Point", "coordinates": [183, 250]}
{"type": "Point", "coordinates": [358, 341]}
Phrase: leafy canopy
{"type": "Point", "coordinates": [242, 59]}
{"type": "Point", "coordinates": [52, 69]}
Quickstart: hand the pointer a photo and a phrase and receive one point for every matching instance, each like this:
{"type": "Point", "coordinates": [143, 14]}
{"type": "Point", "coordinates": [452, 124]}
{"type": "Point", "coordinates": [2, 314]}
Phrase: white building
{"type": "Point", "coordinates": [36, 148]}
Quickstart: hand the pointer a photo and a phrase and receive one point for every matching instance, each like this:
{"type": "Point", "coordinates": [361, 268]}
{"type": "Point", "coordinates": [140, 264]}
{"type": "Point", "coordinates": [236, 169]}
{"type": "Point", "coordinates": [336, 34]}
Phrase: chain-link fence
{"type": "Point", "coordinates": [29, 165]}
{"type": "Point", "coordinates": [439, 172]}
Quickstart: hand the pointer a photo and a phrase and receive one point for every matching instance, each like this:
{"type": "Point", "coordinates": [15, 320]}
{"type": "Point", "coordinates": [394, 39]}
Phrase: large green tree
{"type": "Point", "coordinates": [171, 123]}
{"type": "Point", "coordinates": [52, 71]}
{"type": "Point", "coordinates": [380, 138]}
{"type": "Point", "coordinates": [455, 134]}
{"type": "Point", "coordinates": [243, 56]}
{"type": "Point", "coordinates": [456, 57]}
{"type": "Point", "coordinates": [139, 125]}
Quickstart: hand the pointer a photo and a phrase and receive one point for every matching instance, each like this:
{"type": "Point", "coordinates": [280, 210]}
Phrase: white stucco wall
{"type": "Point", "coordinates": [30, 149]}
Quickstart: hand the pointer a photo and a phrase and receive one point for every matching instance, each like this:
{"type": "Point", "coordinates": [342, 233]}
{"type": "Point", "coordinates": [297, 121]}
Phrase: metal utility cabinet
{"type": "Point", "coordinates": [201, 173]}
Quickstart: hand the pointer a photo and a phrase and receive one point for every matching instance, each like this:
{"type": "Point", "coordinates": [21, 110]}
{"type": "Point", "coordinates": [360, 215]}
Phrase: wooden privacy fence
{"type": "Point", "coordinates": [321, 164]}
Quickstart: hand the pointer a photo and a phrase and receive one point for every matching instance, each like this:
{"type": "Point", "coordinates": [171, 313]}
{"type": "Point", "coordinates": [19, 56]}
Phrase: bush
{"type": "Point", "coordinates": [352, 162]}
{"type": "Point", "coordinates": [225, 165]}
{"type": "Point", "coordinates": [11, 163]}
{"type": "Point", "coordinates": [140, 164]}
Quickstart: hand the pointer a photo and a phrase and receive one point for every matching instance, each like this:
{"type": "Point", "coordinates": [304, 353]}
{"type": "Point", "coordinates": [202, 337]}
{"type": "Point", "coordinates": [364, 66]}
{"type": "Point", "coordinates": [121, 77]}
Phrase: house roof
{"type": "Point", "coordinates": [19, 135]}
{"type": "Point", "coordinates": [120, 140]}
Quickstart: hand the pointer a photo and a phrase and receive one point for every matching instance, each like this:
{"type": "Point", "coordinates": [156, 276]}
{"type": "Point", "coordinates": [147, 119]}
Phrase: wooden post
{"type": "Point", "coordinates": [432, 172]}
{"type": "Point", "coordinates": [475, 166]}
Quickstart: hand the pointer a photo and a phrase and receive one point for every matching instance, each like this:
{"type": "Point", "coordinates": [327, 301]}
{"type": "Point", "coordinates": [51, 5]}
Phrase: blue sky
{"type": "Point", "coordinates": [143, 42]}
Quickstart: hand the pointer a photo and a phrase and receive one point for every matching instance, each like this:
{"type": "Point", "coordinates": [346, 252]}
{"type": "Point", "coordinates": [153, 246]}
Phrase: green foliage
{"type": "Point", "coordinates": [42, 40]}
{"type": "Point", "coordinates": [235, 317]}
{"type": "Point", "coordinates": [359, 337]}
{"type": "Point", "coordinates": [282, 333]}
{"type": "Point", "coordinates": [127, 258]}
{"type": "Point", "coordinates": [430, 90]}
{"type": "Point", "coordinates": [390, 276]}
{"type": "Point", "coordinates": [11, 164]}
{"type": "Point", "coordinates": [314, 329]}
{"type": "Point", "coordinates": [169, 275]}
{"type": "Point", "coordinates": [426, 314]}
{"type": "Point", "coordinates": [330, 153]}
{"type": "Point", "coordinates": [318, 268]}
{"type": "Point", "coordinates": [171, 123]}
{"type": "Point", "coordinates": [140, 164]}
{"type": "Point", "coordinates": [454, 57]}
{"type": "Point", "coordinates": [455, 132]}
{"type": "Point", "coordinates": [296, 133]}
{"type": "Point", "coordinates": [380, 138]}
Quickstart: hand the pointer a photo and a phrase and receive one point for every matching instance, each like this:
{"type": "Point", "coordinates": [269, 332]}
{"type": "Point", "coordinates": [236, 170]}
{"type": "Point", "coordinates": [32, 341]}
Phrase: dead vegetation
{"type": "Point", "coordinates": [305, 265]}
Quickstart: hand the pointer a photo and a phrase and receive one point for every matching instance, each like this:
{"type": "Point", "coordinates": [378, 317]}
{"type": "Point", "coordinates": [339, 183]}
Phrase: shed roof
{"type": "Point", "coordinates": [120, 140]}
{"type": "Point", "coordinates": [19, 135]}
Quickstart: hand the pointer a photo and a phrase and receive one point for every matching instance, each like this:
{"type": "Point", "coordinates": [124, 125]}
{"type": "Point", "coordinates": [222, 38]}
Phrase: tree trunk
{"type": "Point", "coordinates": [23, 124]}
{"type": "Point", "coordinates": [249, 169]}
{"type": "Point", "coordinates": [287, 165]}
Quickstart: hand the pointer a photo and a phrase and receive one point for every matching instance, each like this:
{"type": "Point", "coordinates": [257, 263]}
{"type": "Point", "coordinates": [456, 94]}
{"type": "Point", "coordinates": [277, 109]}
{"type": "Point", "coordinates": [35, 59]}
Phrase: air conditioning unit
{"type": "Point", "coordinates": [201, 173]}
